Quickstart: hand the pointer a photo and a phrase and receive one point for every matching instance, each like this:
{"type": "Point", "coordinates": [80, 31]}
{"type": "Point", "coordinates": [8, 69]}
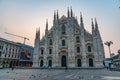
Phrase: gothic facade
{"type": "Point", "coordinates": [69, 44]}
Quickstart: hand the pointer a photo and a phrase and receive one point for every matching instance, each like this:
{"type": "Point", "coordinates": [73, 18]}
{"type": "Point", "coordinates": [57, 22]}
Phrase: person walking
{"type": "Point", "coordinates": [12, 68]}
{"type": "Point", "coordinates": [66, 68]}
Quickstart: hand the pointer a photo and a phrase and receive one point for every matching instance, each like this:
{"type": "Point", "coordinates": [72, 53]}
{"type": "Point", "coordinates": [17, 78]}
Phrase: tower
{"type": "Point", "coordinates": [71, 12]}
{"type": "Point", "coordinates": [82, 39]}
{"type": "Point", "coordinates": [46, 44]}
{"type": "Point", "coordinates": [68, 13]}
{"type": "Point", "coordinates": [94, 42]}
{"type": "Point", "coordinates": [36, 48]}
{"type": "Point", "coordinates": [57, 15]}
{"type": "Point", "coordinates": [99, 45]}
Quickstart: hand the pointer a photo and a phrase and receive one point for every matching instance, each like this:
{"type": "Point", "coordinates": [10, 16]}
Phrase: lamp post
{"type": "Point", "coordinates": [108, 43]}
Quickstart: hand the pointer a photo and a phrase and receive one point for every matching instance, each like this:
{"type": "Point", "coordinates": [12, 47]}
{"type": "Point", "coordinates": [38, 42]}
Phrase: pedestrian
{"type": "Point", "coordinates": [12, 68]}
{"type": "Point", "coordinates": [107, 67]}
{"type": "Point", "coordinates": [66, 68]}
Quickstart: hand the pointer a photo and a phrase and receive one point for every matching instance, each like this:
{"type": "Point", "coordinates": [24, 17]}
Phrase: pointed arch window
{"type": "Point", "coordinates": [77, 39]}
{"type": "Point", "coordinates": [42, 51]}
{"type": "Point", "coordinates": [50, 42]}
{"type": "Point", "coordinates": [78, 49]}
{"type": "Point", "coordinates": [63, 42]}
{"type": "Point", "coordinates": [63, 29]}
{"type": "Point", "coordinates": [50, 51]}
{"type": "Point", "coordinates": [50, 63]}
{"type": "Point", "coordinates": [41, 63]}
{"type": "Point", "coordinates": [0, 53]}
{"type": "Point", "coordinates": [79, 63]}
{"type": "Point", "coordinates": [89, 48]}
{"type": "Point", "coordinates": [91, 62]}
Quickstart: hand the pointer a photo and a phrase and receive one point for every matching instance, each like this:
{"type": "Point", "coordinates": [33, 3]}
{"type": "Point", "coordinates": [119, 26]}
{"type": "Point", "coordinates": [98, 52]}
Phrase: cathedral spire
{"type": "Point", "coordinates": [36, 48]}
{"type": "Point", "coordinates": [71, 12]}
{"type": "Point", "coordinates": [97, 30]}
{"type": "Point", "coordinates": [96, 25]}
{"type": "Point", "coordinates": [54, 15]}
{"type": "Point", "coordinates": [46, 30]}
{"type": "Point", "coordinates": [81, 19]}
{"type": "Point", "coordinates": [68, 13]}
{"type": "Point", "coordinates": [47, 24]}
{"type": "Point", "coordinates": [82, 30]}
{"type": "Point", "coordinates": [37, 36]}
{"type": "Point", "coordinates": [39, 32]}
{"type": "Point", "coordinates": [36, 33]}
{"type": "Point", "coordinates": [57, 15]}
{"type": "Point", "coordinates": [92, 24]}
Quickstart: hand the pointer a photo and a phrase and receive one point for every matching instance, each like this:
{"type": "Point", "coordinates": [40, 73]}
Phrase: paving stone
{"type": "Point", "coordinates": [55, 74]}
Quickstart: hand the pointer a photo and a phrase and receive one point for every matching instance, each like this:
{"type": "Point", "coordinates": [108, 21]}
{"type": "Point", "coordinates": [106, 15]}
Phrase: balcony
{"type": "Point", "coordinates": [49, 56]}
{"type": "Point", "coordinates": [65, 36]}
{"type": "Point", "coordinates": [77, 43]}
{"type": "Point", "coordinates": [63, 48]}
{"type": "Point", "coordinates": [41, 55]}
{"type": "Point", "coordinates": [78, 53]}
{"type": "Point", "coordinates": [90, 55]}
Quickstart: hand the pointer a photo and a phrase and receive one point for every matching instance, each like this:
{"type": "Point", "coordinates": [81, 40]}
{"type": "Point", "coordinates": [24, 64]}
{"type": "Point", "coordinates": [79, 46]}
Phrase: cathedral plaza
{"type": "Point", "coordinates": [59, 74]}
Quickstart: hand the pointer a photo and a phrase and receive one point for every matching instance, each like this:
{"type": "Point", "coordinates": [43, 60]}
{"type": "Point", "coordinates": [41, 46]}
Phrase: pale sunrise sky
{"type": "Point", "coordinates": [22, 17]}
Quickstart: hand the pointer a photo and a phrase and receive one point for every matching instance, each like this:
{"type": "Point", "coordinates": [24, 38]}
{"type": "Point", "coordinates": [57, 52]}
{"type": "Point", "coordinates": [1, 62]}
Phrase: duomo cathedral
{"type": "Point", "coordinates": [69, 44]}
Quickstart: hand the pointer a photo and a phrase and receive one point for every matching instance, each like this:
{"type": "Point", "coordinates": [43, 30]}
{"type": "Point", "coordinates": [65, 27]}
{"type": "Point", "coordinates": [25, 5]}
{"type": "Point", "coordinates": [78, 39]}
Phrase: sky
{"type": "Point", "coordinates": [22, 17]}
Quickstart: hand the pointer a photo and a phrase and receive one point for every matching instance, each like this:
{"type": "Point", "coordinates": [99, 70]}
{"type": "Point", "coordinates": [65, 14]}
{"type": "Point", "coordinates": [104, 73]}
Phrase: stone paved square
{"type": "Point", "coordinates": [58, 74]}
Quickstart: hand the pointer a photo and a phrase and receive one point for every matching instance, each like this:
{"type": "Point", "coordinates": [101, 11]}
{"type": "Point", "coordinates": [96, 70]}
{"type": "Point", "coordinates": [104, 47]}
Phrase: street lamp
{"type": "Point", "coordinates": [108, 43]}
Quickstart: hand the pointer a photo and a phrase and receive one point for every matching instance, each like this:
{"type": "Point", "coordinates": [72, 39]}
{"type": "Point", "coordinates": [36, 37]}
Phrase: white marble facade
{"type": "Point", "coordinates": [69, 44]}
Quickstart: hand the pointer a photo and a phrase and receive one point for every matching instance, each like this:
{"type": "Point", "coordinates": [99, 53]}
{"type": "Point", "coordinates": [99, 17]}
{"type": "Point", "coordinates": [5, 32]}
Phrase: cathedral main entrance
{"type": "Point", "coordinates": [41, 63]}
{"type": "Point", "coordinates": [50, 63]}
{"type": "Point", "coordinates": [79, 62]}
{"type": "Point", "coordinates": [63, 61]}
{"type": "Point", "coordinates": [90, 62]}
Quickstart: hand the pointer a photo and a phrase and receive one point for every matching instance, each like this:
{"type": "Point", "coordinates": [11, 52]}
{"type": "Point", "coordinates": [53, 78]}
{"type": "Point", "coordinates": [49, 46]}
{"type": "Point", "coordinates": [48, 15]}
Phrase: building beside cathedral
{"type": "Point", "coordinates": [69, 44]}
{"type": "Point", "coordinates": [15, 54]}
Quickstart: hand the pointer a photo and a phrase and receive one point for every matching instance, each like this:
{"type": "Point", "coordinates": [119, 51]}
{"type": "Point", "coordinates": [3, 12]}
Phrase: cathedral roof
{"type": "Point", "coordinates": [63, 18]}
{"type": "Point", "coordinates": [88, 36]}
